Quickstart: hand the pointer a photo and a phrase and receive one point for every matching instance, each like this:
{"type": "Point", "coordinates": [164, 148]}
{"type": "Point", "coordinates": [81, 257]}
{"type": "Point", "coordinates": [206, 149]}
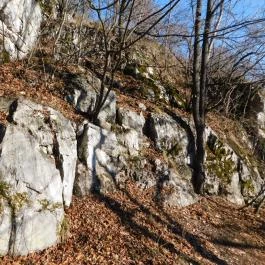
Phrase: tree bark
{"type": "Point", "coordinates": [198, 170]}
{"type": "Point", "coordinates": [199, 93]}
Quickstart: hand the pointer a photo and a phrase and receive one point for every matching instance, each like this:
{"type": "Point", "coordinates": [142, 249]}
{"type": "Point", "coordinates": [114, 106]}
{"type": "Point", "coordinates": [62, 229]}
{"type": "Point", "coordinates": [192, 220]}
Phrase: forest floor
{"type": "Point", "coordinates": [128, 227]}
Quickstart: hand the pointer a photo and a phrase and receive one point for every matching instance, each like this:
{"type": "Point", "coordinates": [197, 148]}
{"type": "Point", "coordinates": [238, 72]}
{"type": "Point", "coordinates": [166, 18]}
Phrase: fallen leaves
{"type": "Point", "coordinates": [128, 227]}
{"type": "Point", "coordinates": [20, 80]}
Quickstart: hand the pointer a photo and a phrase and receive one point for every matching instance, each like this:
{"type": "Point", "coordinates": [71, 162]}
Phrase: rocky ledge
{"type": "Point", "coordinates": [45, 158]}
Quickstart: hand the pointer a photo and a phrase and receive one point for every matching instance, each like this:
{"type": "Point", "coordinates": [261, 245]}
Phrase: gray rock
{"type": "Point", "coordinates": [181, 192]}
{"type": "Point", "coordinates": [168, 135]}
{"type": "Point", "coordinates": [83, 92]}
{"type": "Point", "coordinates": [83, 180]}
{"type": "Point", "coordinates": [142, 106]}
{"type": "Point", "coordinates": [102, 157]}
{"type": "Point", "coordinates": [55, 135]}
{"type": "Point", "coordinates": [257, 112]}
{"type": "Point", "coordinates": [37, 169]}
{"type": "Point", "coordinates": [150, 94]}
{"type": "Point", "coordinates": [130, 119]}
{"type": "Point", "coordinates": [150, 70]}
{"type": "Point", "coordinates": [37, 230]}
{"type": "Point", "coordinates": [5, 227]}
{"type": "Point", "coordinates": [175, 187]}
{"type": "Point", "coordinates": [228, 173]}
{"type": "Point", "coordinates": [163, 95]}
{"type": "Point", "coordinates": [257, 115]}
{"type": "Point", "coordinates": [130, 139]}
{"type": "Point", "coordinates": [29, 178]}
{"type": "Point", "coordinates": [20, 23]}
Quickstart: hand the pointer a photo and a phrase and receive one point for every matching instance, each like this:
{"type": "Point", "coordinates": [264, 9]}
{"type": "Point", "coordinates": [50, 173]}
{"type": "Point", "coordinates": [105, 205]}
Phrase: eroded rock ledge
{"type": "Point", "coordinates": [45, 158]}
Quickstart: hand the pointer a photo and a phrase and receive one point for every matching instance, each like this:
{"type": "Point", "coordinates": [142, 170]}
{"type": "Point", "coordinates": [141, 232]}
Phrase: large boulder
{"type": "Point", "coordinates": [130, 119]}
{"type": "Point", "coordinates": [174, 186]}
{"type": "Point", "coordinates": [229, 172]}
{"type": "Point", "coordinates": [37, 169]}
{"type": "Point", "coordinates": [169, 136]}
{"type": "Point", "coordinates": [20, 24]}
{"type": "Point", "coordinates": [101, 158]}
{"type": "Point", "coordinates": [82, 93]}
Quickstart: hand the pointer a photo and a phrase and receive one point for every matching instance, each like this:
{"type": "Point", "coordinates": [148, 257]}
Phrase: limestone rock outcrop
{"type": "Point", "coordinates": [43, 155]}
{"type": "Point", "coordinates": [37, 170]}
{"type": "Point", "coordinates": [168, 135]}
{"type": "Point", "coordinates": [130, 119]}
{"type": "Point", "coordinates": [20, 24]}
{"type": "Point", "coordinates": [229, 172]}
{"type": "Point", "coordinates": [83, 93]}
{"type": "Point", "coordinates": [257, 125]}
{"type": "Point", "coordinates": [101, 157]}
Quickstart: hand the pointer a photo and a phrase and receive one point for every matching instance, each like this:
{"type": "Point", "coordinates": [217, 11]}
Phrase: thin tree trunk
{"type": "Point", "coordinates": [198, 173]}
{"type": "Point", "coordinates": [200, 92]}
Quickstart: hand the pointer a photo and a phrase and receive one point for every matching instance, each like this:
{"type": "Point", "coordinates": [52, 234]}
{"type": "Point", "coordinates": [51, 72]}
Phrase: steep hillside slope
{"type": "Point", "coordinates": [132, 225]}
{"type": "Point", "coordinates": [119, 189]}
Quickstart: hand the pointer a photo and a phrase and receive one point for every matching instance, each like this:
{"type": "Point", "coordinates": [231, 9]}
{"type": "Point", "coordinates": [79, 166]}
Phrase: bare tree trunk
{"type": "Point", "coordinates": [198, 174]}
{"type": "Point", "coordinates": [199, 93]}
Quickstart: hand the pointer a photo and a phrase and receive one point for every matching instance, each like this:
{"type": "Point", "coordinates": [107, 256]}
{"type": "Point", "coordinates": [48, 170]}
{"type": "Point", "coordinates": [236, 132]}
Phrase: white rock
{"type": "Point", "coordinates": [227, 173]}
{"type": "Point", "coordinates": [142, 106]}
{"type": "Point", "coordinates": [5, 227]}
{"type": "Point", "coordinates": [53, 131]}
{"type": "Point", "coordinates": [150, 70]}
{"type": "Point", "coordinates": [101, 155]}
{"type": "Point", "coordinates": [130, 139]}
{"type": "Point", "coordinates": [37, 230]}
{"type": "Point", "coordinates": [168, 135]}
{"type": "Point", "coordinates": [37, 170]}
{"type": "Point", "coordinates": [130, 119]}
{"type": "Point", "coordinates": [83, 92]}
{"type": "Point", "coordinates": [20, 23]}
{"type": "Point", "coordinates": [31, 174]}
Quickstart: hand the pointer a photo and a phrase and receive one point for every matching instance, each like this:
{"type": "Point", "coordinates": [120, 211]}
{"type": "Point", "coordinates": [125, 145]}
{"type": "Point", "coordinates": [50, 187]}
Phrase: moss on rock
{"type": "Point", "coordinates": [47, 6]}
{"type": "Point", "coordinates": [63, 229]}
{"type": "Point", "coordinates": [219, 161]}
{"type": "Point", "coordinates": [47, 205]}
{"type": "Point", "coordinates": [248, 186]}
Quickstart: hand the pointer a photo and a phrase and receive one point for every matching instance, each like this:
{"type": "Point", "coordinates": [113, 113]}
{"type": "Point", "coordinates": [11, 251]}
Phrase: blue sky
{"type": "Point", "coordinates": [243, 7]}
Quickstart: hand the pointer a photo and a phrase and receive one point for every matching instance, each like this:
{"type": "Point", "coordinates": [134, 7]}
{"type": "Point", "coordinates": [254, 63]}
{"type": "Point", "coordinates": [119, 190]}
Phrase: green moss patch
{"type": "Point", "coordinates": [219, 160]}
{"type": "Point", "coordinates": [47, 205]}
{"type": "Point", "coordinates": [63, 229]}
{"type": "Point", "coordinates": [16, 201]}
{"type": "Point", "coordinates": [248, 186]}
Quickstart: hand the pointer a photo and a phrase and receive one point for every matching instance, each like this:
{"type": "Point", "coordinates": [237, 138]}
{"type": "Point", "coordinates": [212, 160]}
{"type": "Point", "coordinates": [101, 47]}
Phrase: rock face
{"type": "Point", "coordinates": [257, 116]}
{"type": "Point", "coordinates": [37, 170]}
{"type": "Point", "coordinates": [20, 23]}
{"type": "Point", "coordinates": [83, 92]}
{"type": "Point", "coordinates": [130, 132]}
{"type": "Point", "coordinates": [41, 161]}
{"type": "Point", "coordinates": [168, 135]}
{"type": "Point", "coordinates": [229, 173]}
{"type": "Point", "coordinates": [258, 112]}
{"type": "Point", "coordinates": [101, 159]}
{"type": "Point", "coordinates": [130, 119]}
{"type": "Point", "coordinates": [174, 186]}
